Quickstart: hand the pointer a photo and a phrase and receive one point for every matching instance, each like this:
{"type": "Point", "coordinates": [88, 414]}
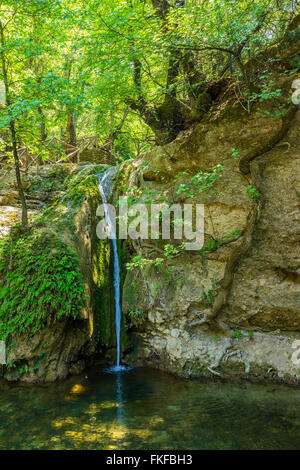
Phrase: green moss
{"type": "Point", "coordinates": [130, 295]}
{"type": "Point", "coordinates": [53, 181]}
{"type": "Point", "coordinates": [82, 172]}
{"type": "Point", "coordinates": [103, 294]}
{"type": "Point", "coordinates": [61, 215]}
{"type": "Point", "coordinates": [76, 193]}
{"type": "Point", "coordinates": [123, 259]}
{"type": "Point", "coordinates": [122, 177]}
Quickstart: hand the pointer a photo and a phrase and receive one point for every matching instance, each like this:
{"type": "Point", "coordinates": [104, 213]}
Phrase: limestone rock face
{"type": "Point", "coordinates": [268, 279]}
{"type": "Point", "coordinates": [50, 354]}
{"type": "Point", "coordinates": [234, 310]}
{"type": "Point", "coordinates": [206, 145]}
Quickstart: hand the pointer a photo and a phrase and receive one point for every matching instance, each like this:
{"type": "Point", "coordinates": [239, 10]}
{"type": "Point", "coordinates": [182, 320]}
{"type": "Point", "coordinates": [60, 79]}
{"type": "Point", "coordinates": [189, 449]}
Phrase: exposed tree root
{"type": "Point", "coordinates": [225, 355]}
{"type": "Point", "coordinates": [225, 283]}
{"type": "Point", "coordinates": [244, 164]}
{"type": "Point", "coordinates": [242, 356]}
{"type": "Point", "coordinates": [214, 365]}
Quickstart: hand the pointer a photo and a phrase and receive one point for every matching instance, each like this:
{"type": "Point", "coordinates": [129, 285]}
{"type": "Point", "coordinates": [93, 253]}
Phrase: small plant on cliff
{"type": "Point", "coordinates": [209, 295]}
{"type": "Point", "coordinates": [137, 317]}
{"type": "Point", "coordinates": [171, 251]}
{"type": "Point", "coordinates": [250, 334]}
{"type": "Point", "coordinates": [205, 181]}
{"type": "Point", "coordinates": [185, 190]}
{"type": "Point", "coordinates": [237, 334]}
{"type": "Point", "coordinates": [267, 92]}
{"type": "Point", "coordinates": [139, 262]}
{"type": "Point", "coordinates": [252, 192]}
{"type": "Point", "coordinates": [201, 182]}
{"type": "Point", "coordinates": [212, 244]}
{"type": "Point", "coordinates": [235, 153]}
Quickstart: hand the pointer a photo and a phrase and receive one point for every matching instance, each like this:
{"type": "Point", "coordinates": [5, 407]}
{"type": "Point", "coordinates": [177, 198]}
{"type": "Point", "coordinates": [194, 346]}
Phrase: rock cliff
{"type": "Point", "coordinates": [232, 308]}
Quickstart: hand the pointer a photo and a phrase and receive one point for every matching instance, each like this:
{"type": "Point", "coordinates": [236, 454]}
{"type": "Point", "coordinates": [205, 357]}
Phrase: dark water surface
{"type": "Point", "coordinates": [147, 409]}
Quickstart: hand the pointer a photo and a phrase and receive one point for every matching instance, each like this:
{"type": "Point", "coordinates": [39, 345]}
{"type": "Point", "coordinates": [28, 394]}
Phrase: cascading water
{"type": "Point", "coordinates": [104, 185]}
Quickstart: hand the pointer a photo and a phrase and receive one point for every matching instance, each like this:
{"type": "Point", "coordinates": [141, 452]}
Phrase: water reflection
{"type": "Point", "coordinates": [120, 410]}
{"type": "Point", "coordinates": [120, 428]}
{"type": "Point", "coordinates": [146, 409]}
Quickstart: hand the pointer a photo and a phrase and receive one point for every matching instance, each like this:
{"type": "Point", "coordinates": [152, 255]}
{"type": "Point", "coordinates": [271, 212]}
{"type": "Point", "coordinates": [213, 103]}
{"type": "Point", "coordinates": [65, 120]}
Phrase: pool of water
{"type": "Point", "coordinates": [146, 409]}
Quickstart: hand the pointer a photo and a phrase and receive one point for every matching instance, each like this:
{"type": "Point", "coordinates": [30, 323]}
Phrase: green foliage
{"type": "Point", "coordinates": [276, 114]}
{"type": "Point", "coordinates": [170, 251]}
{"type": "Point", "coordinates": [201, 182]}
{"type": "Point", "coordinates": [185, 190]}
{"type": "Point", "coordinates": [24, 369]}
{"type": "Point", "coordinates": [74, 57]}
{"type": "Point", "coordinates": [205, 181]}
{"type": "Point", "coordinates": [237, 334]}
{"type": "Point", "coordinates": [212, 244]}
{"type": "Point", "coordinates": [53, 182]}
{"type": "Point", "coordinates": [208, 296]}
{"type": "Point", "coordinates": [267, 92]}
{"type": "Point", "coordinates": [235, 153]}
{"type": "Point", "coordinates": [252, 192]}
{"type": "Point", "coordinates": [137, 317]}
{"type": "Point", "coordinates": [43, 286]}
{"type": "Point", "coordinates": [250, 334]}
{"type": "Point", "coordinates": [139, 262]}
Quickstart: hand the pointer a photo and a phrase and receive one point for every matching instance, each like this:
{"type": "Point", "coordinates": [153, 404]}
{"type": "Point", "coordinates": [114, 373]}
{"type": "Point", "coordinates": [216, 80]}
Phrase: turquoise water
{"type": "Point", "coordinates": [146, 409]}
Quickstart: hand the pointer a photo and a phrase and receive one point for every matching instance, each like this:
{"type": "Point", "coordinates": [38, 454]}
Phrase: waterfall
{"type": "Point", "coordinates": [104, 185]}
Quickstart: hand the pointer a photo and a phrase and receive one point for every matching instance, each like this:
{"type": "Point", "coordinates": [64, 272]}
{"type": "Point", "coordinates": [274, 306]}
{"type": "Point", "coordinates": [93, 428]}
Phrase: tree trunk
{"type": "Point", "coordinates": [71, 130]}
{"type": "Point", "coordinates": [18, 175]}
{"type": "Point", "coordinates": [165, 120]}
{"type": "Point", "coordinates": [43, 124]}
{"type": "Point", "coordinates": [42, 128]}
{"type": "Point", "coordinates": [13, 134]}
